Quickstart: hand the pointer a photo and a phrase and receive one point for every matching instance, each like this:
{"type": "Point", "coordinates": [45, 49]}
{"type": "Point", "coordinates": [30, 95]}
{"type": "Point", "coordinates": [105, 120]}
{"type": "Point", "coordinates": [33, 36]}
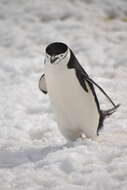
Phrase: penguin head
{"type": "Point", "coordinates": [57, 53]}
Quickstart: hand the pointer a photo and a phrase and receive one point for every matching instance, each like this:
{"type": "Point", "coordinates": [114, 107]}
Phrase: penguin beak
{"type": "Point", "coordinates": [53, 59]}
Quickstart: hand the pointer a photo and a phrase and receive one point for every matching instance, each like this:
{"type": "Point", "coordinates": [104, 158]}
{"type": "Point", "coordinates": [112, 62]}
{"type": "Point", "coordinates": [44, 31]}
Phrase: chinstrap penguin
{"type": "Point", "coordinates": [72, 94]}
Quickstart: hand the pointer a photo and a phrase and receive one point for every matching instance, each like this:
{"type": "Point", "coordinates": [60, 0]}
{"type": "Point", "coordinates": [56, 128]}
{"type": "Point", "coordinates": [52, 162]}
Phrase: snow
{"type": "Point", "coordinates": [33, 153]}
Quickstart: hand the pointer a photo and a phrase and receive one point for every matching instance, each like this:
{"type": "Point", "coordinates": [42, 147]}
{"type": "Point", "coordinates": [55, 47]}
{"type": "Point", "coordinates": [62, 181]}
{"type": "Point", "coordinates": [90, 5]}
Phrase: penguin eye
{"type": "Point", "coordinates": [61, 55]}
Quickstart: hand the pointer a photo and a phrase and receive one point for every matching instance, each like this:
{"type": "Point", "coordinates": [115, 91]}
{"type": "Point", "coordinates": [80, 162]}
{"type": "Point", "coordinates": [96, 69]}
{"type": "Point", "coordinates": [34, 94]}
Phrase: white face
{"type": "Point", "coordinates": [61, 59]}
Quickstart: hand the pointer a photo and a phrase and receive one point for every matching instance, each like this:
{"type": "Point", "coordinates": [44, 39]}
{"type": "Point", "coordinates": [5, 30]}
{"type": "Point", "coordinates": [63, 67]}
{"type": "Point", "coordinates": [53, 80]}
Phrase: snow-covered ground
{"type": "Point", "coordinates": [33, 153]}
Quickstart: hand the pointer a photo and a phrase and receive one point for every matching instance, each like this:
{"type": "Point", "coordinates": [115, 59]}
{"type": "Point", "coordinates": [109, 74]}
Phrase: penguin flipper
{"type": "Point", "coordinates": [104, 114]}
{"type": "Point", "coordinates": [42, 84]}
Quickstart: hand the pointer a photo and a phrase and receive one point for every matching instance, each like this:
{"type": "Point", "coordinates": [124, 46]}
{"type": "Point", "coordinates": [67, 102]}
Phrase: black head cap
{"type": "Point", "coordinates": [56, 48]}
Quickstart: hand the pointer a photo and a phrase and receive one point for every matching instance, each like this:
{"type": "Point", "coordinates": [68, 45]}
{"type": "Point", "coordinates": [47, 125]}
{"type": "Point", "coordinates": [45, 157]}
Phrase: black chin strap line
{"type": "Point", "coordinates": [92, 82]}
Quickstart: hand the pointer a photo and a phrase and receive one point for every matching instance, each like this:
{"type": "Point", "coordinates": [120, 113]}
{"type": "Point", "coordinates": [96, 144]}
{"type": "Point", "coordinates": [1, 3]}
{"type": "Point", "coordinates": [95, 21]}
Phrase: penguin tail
{"type": "Point", "coordinates": [106, 113]}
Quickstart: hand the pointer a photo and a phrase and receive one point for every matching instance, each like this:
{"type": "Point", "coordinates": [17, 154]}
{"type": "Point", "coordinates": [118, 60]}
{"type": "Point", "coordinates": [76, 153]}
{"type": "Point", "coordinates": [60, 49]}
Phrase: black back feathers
{"type": "Point", "coordinates": [83, 77]}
